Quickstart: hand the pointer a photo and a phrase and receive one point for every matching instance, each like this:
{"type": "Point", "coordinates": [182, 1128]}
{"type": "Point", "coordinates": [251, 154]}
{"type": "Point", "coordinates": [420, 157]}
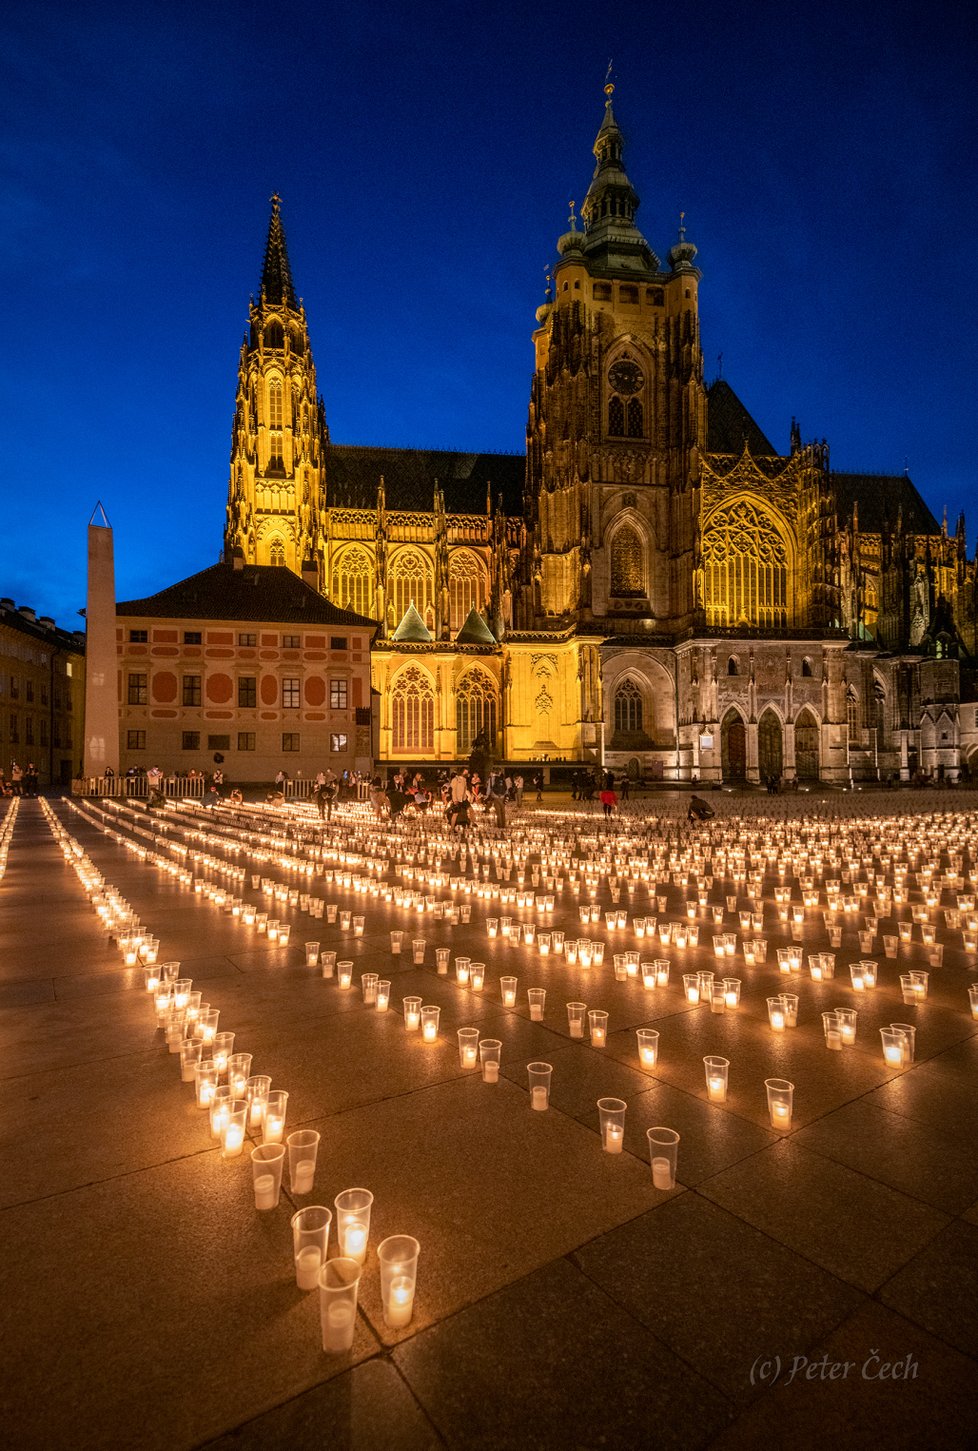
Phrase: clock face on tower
{"type": "Point", "coordinates": [625, 377]}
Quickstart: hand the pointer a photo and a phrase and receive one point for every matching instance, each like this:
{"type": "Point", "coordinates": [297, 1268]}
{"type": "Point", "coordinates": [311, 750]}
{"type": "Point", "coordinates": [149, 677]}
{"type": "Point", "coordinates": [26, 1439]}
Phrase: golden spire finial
{"type": "Point", "coordinates": [609, 85]}
{"type": "Point", "coordinates": [275, 200]}
{"type": "Point", "coordinates": [572, 219]}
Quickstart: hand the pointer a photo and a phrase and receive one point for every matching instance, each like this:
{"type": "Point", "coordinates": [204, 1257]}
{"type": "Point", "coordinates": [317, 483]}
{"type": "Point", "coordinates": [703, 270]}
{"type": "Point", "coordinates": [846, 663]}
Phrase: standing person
{"type": "Point", "coordinates": [518, 788]}
{"type": "Point", "coordinates": [609, 799]}
{"type": "Point", "coordinates": [626, 787]}
{"type": "Point", "coordinates": [378, 797]}
{"type": "Point", "coordinates": [458, 797]}
{"type": "Point", "coordinates": [331, 790]}
{"type": "Point", "coordinates": [538, 783]}
{"type": "Point", "coordinates": [496, 796]}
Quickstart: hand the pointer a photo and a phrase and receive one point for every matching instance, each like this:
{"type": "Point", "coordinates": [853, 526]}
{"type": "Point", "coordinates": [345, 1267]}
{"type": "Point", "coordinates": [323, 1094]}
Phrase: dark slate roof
{"type": "Point", "coordinates": [412, 629]}
{"type": "Point", "coordinates": [880, 496]}
{"type": "Point", "coordinates": [267, 592]}
{"type": "Point", "coordinates": [353, 472]}
{"type": "Point", "coordinates": [475, 631]}
{"type": "Point", "coordinates": [729, 423]}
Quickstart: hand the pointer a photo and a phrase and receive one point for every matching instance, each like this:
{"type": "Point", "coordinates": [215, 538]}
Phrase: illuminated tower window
{"type": "Point", "coordinates": [413, 713]}
{"type": "Point", "coordinates": [627, 563]}
{"type": "Point", "coordinates": [616, 418]}
{"type": "Point", "coordinates": [635, 419]}
{"type": "Point", "coordinates": [745, 568]}
{"type": "Point", "coordinates": [275, 404]}
{"type": "Point", "coordinates": [475, 710]}
{"type": "Point", "coordinates": [628, 709]}
{"type": "Point", "coordinates": [276, 552]}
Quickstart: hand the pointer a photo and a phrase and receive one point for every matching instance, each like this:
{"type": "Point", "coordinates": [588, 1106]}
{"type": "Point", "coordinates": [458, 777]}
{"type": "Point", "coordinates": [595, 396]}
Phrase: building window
{"type": "Point", "coordinates": [806, 666]}
{"type": "Point", "coordinates": [290, 740]}
{"type": "Point", "coordinates": [628, 709]}
{"type": "Point", "coordinates": [138, 689]}
{"type": "Point", "coordinates": [627, 563]}
{"type": "Point", "coordinates": [411, 582]}
{"type": "Point", "coordinates": [44, 733]}
{"type": "Point", "coordinates": [635, 419]}
{"type": "Point", "coordinates": [218, 743]}
{"type": "Point", "coordinates": [353, 583]}
{"type": "Point", "coordinates": [745, 569]}
{"type": "Point", "coordinates": [290, 642]}
{"type": "Point", "coordinates": [191, 690]}
{"type": "Point", "coordinates": [338, 642]}
{"type": "Point", "coordinates": [247, 638]}
{"type": "Point", "coordinates": [15, 687]}
{"type": "Point", "coordinates": [616, 418]}
{"type": "Point", "coordinates": [879, 709]}
{"type": "Point", "coordinates": [290, 692]}
{"type": "Point", "coordinates": [135, 740]}
{"type": "Point", "coordinates": [29, 731]}
{"type": "Point", "coordinates": [247, 692]}
{"type": "Point", "coordinates": [190, 741]}
{"type": "Point", "coordinates": [413, 712]}
{"type": "Point", "coordinates": [852, 713]}
{"type": "Point", "coordinates": [14, 728]}
{"type": "Point", "coordinates": [276, 553]}
{"type": "Point", "coordinates": [475, 711]}
{"type": "Point", "coordinates": [138, 637]}
{"type": "Point", "coordinates": [339, 742]}
{"type": "Point", "coordinates": [339, 695]}
{"type": "Point", "coordinates": [466, 586]}
{"type": "Point", "coordinates": [29, 691]}
{"type": "Point", "coordinates": [192, 637]}
{"type": "Point", "coordinates": [246, 740]}
{"type": "Point", "coordinates": [44, 695]}
{"type": "Point", "coordinates": [732, 667]}
{"type": "Point", "coordinates": [274, 402]}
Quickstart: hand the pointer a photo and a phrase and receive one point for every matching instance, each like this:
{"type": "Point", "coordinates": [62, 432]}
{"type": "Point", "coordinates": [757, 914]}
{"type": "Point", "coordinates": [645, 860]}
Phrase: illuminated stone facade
{"type": "Point", "coordinates": [42, 694]}
{"type": "Point", "coordinates": [653, 586]}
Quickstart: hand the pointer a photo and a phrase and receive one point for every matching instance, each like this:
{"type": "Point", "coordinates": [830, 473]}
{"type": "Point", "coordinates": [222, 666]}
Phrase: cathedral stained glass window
{"type": "Point", "coordinates": [627, 563]}
{"type": "Point", "coordinates": [353, 582]}
{"type": "Point", "coordinates": [475, 710]}
{"type": "Point", "coordinates": [628, 709]}
{"type": "Point", "coordinates": [413, 713]}
{"type": "Point", "coordinates": [745, 568]}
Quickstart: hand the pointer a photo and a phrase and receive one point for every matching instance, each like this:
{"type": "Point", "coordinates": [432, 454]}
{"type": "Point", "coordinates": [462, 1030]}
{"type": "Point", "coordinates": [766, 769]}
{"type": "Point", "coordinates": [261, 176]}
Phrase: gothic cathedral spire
{"type": "Point", "coordinates": [276, 495]}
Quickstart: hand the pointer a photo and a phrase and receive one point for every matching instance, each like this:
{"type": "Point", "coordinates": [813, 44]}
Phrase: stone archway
{"type": "Point", "coordinates": [806, 747]}
{"type": "Point", "coordinates": [770, 747]}
{"type": "Point", "coordinates": [733, 746]}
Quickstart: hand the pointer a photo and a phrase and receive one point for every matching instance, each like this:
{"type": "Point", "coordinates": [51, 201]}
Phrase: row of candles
{"type": "Point", "coordinates": [6, 830]}
{"type": "Point", "coordinates": [238, 1102]}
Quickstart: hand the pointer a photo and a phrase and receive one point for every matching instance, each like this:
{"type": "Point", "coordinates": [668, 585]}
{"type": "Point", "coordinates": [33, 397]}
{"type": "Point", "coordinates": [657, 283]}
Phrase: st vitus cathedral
{"type": "Point", "coordinates": [654, 586]}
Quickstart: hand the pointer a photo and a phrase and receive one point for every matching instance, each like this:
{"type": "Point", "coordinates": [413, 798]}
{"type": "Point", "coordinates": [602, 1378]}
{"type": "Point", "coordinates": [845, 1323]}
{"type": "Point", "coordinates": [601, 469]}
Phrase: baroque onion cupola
{"type": "Point", "coordinates": [276, 494]}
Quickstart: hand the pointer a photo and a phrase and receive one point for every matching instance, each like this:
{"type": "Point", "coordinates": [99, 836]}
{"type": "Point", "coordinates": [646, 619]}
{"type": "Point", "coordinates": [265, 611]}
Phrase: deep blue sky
{"type": "Point", "coordinates": [824, 154]}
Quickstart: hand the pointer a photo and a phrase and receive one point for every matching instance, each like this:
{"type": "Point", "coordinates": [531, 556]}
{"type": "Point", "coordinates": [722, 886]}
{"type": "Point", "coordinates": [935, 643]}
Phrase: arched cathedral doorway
{"type": "Point", "coordinates": [806, 747]}
{"type": "Point", "coordinates": [770, 747]}
{"type": "Point", "coordinates": [733, 744]}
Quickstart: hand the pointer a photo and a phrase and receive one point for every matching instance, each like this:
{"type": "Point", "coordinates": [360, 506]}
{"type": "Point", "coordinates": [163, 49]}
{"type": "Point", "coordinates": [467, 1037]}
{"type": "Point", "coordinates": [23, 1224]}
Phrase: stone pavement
{"type": "Point", "coordinates": [794, 1286]}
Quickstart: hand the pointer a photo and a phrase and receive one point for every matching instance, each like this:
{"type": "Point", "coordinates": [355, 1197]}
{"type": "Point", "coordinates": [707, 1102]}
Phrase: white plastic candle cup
{"type": "Point", "coordinates": [507, 987]}
{"type": "Point", "coordinates": [417, 948]}
{"type": "Point", "coordinates": [284, 934]}
{"type": "Point", "coordinates": [429, 1023]}
{"type": "Point", "coordinates": [833, 1031]}
{"type": "Point", "coordinates": [383, 995]}
{"type": "Point", "coordinates": [891, 944]}
{"type": "Point", "coordinates": [648, 1047]}
{"type": "Point", "coordinates": [331, 910]}
{"type": "Point", "coordinates": [256, 1093]}
{"type": "Point", "coordinates": [207, 1027]}
{"type": "Point", "coordinates": [662, 972]}
{"type": "Point", "coordinates": [918, 986]}
{"type": "Point", "coordinates": [397, 939]}
{"type": "Point", "coordinates": [219, 1108]}
{"type": "Point", "coordinates": [442, 955]}
{"type": "Point", "coordinates": [468, 1047]}
{"type": "Point", "coordinates": [353, 1222]}
{"type": "Point", "coordinates": [575, 1019]}
{"type": "Point", "coordinates": [368, 987]}
{"type": "Point", "coordinates": [790, 1001]}
{"type": "Point", "coordinates": [303, 1148]}
{"type": "Point", "coordinates": [611, 1123]}
{"type": "Point", "coordinates": [620, 970]}
{"type": "Point", "coordinates": [597, 1021]}
{"type": "Point", "coordinates": [731, 992]}
{"type": "Point", "coordinates": [346, 921]}
{"type": "Point", "coordinates": [190, 1051]}
{"type": "Point", "coordinates": [718, 998]}
{"type": "Point", "coordinates": [327, 963]}
{"type": "Point", "coordinates": [266, 1172]}
{"type": "Point", "coordinates": [312, 954]}
{"type": "Point", "coordinates": [776, 1013]}
{"type": "Point", "coordinates": [973, 999]}
{"type": "Point", "coordinates": [539, 1075]}
{"type": "Point", "coordinates": [221, 1050]}
{"type": "Point", "coordinates": [780, 1101]}
{"type": "Point", "coordinates": [717, 1071]}
{"type": "Point", "coordinates": [894, 1047]}
{"type": "Point", "coordinates": [344, 974]}
{"type": "Point", "coordinates": [663, 1153]}
{"type": "Point", "coordinates": [412, 1014]}
{"type": "Point", "coordinates": [358, 926]}
{"type": "Point", "coordinates": [477, 976]}
{"type": "Point", "coordinates": [205, 1081]}
{"type": "Point", "coordinates": [310, 1238]}
{"type": "Point", "coordinates": [238, 1072]}
{"type": "Point", "coordinates": [909, 1039]}
{"type": "Point", "coordinates": [536, 997]}
{"type": "Point", "coordinates": [691, 987]}
{"type": "Point", "coordinates": [847, 1019]}
{"type": "Point", "coordinates": [398, 1255]}
{"type": "Point", "coordinates": [235, 1127]}
{"type": "Point", "coordinates": [489, 1053]}
{"type": "Point", "coordinates": [339, 1281]}
{"type": "Point", "coordinates": [273, 1122]}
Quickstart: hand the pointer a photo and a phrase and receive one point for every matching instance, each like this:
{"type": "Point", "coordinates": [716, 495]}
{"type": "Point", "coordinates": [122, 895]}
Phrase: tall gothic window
{"type": "Point", "coordinates": [413, 713]}
{"type": "Point", "coordinates": [410, 579]}
{"type": "Point", "coordinates": [616, 418]}
{"type": "Point", "coordinates": [745, 568]}
{"type": "Point", "coordinates": [852, 713]}
{"type": "Point", "coordinates": [276, 552]}
{"type": "Point", "coordinates": [628, 709]}
{"type": "Point", "coordinates": [627, 563]}
{"type": "Point", "coordinates": [466, 586]}
{"type": "Point", "coordinates": [635, 419]}
{"type": "Point", "coordinates": [353, 582]}
{"type": "Point", "coordinates": [275, 404]}
{"type": "Point", "coordinates": [475, 710]}
{"type": "Point", "coordinates": [879, 709]}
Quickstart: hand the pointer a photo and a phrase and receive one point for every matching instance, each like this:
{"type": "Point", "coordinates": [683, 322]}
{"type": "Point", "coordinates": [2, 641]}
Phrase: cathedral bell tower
{"type": "Point", "coordinates": [276, 495]}
{"type": "Point", "coordinates": [617, 420]}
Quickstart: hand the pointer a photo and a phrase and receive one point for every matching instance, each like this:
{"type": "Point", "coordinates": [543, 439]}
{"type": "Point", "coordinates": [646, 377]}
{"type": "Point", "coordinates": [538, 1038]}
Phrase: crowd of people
{"type": "Point", "coordinates": [22, 781]}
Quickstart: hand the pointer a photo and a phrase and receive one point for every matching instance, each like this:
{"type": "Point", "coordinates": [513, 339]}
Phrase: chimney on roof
{"type": "Point", "coordinates": [46, 621]}
{"type": "Point", "coordinates": [310, 573]}
{"type": "Point", "coordinates": [27, 612]}
{"type": "Point", "coordinates": [235, 557]}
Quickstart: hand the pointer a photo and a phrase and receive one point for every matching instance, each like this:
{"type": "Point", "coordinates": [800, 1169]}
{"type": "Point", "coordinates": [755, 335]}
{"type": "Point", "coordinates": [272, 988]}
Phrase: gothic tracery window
{"type": "Point", "coordinates": [627, 562]}
{"type": "Point", "coordinates": [616, 418]}
{"type": "Point", "coordinates": [276, 552]}
{"type": "Point", "coordinates": [635, 419]}
{"type": "Point", "coordinates": [475, 710]}
{"type": "Point", "coordinates": [275, 404]}
{"type": "Point", "coordinates": [411, 580]}
{"type": "Point", "coordinates": [413, 713]}
{"type": "Point", "coordinates": [745, 568]}
{"type": "Point", "coordinates": [466, 586]}
{"type": "Point", "coordinates": [628, 708]}
{"type": "Point", "coordinates": [353, 582]}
